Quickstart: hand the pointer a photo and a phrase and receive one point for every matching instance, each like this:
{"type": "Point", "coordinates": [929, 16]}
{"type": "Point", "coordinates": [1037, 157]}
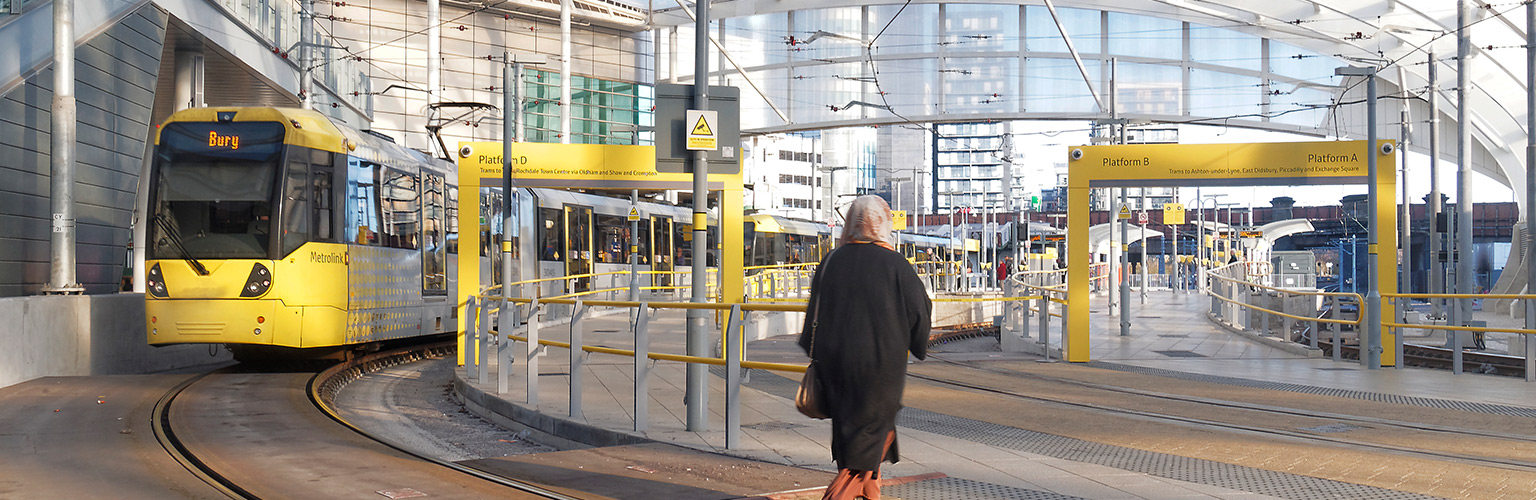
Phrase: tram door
{"type": "Point", "coordinates": [578, 246]}
{"type": "Point", "coordinates": [661, 247]}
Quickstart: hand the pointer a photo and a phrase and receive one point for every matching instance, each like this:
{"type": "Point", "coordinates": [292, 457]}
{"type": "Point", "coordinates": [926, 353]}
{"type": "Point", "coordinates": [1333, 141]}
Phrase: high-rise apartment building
{"type": "Point", "coordinates": [971, 166]}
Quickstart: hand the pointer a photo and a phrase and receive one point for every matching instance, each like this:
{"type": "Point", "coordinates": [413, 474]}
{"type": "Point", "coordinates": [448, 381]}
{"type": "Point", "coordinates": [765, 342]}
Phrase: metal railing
{"type": "Point", "coordinates": [1250, 305]}
{"type": "Point", "coordinates": [521, 343]}
{"type": "Point", "coordinates": [1455, 333]}
{"type": "Point", "coordinates": [1244, 302]}
{"type": "Point", "coordinates": [779, 282]}
{"type": "Point", "coordinates": [613, 286]}
{"type": "Point", "coordinates": [1049, 286]}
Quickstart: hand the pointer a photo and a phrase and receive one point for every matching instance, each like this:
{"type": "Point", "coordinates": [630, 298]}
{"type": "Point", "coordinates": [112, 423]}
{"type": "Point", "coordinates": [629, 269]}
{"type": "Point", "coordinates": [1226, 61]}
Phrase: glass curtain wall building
{"type": "Point", "coordinates": [603, 112]}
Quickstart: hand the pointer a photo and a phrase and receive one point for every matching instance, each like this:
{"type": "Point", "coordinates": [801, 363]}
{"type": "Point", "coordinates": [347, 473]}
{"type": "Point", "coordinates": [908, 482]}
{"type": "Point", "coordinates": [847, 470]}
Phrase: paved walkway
{"type": "Point", "coordinates": [1169, 336]}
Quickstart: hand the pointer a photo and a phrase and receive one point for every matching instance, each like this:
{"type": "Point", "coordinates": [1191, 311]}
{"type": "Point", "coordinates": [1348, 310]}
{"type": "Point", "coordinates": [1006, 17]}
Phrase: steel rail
{"type": "Point", "coordinates": [331, 381]}
{"type": "Point", "coordinates": [160, 422]}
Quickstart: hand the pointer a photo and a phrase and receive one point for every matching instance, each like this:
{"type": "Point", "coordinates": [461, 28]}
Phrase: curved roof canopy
{"type": "Point", "coordinates": [1268, 64]}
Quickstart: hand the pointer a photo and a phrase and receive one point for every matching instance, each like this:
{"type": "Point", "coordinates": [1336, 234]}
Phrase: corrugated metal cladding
{"type": "Point", "coordinates": [116, 73]}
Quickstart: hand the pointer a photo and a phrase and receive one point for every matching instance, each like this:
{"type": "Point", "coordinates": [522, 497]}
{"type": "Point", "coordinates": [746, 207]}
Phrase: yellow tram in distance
{"type": "Point", "coordinates": [278, 231]}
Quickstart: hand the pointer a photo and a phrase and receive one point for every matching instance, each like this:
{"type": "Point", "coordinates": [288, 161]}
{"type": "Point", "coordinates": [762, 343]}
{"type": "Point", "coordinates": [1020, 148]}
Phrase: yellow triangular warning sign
{"type": "Point", "coordinates": [634, 212]}
{"type": "Point", "coordinates": [701, 128]}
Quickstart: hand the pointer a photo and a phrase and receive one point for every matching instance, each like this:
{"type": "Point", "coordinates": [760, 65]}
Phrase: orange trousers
{"type": "Point", "coordinates": [854, 484]}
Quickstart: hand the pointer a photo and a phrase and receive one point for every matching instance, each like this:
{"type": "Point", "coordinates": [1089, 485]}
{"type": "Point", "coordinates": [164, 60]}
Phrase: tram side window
{"type": "Point", "coordinates": [515, 234]}
{"type": "Point", "coordinates": [682, 245]}
{"type": "Point", "coordinates": [612, 238]}
{"type": "Point", "coordinates": [644, 239]}
{"type": "Point", "coordinates": [295, 216]}
{"type": "Point", "coordinates": [434, 255]}
{"type": "Point", "coordinates": [551, 233]}
{"type": "Point", "coordinates": [711, 257]}
{"type": "Point", "coordinates": [324, 197]}
{"type": "Point", "coordinates": [362, 204]}
{"type": "Point", "coordinates": [400, 204]}
{"type": "Point", "coordinates": [453, 220]}
{"type": "Point", "coordinates": [491, 224]}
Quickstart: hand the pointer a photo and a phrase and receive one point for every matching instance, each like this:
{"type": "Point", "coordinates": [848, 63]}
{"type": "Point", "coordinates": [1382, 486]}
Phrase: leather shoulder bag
{"type": "Point", "coordinates": [809, 399]}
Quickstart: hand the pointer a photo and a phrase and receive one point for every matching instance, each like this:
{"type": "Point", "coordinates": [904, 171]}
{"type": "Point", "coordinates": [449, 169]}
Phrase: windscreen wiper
{"type": "Point", "coordinates": [174, 236]}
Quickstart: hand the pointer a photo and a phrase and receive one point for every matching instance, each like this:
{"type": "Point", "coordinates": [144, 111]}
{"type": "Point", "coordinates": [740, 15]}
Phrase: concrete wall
{"type": "Point", "coordinates": [115, 80]}
{"type": "Point", "coordinates": [70, 335]}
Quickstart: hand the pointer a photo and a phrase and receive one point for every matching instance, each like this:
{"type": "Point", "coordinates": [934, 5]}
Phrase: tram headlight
{"type": "Point", "coordinates": [258, 282]}
{"type": "Point", "coordinates": [154, 283]}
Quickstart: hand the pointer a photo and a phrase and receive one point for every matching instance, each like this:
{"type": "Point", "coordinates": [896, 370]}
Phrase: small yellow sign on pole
{"type": "Point", "coordinates": [1173, 213]}
{"type": "Point", "coordinates": [701, 130]}
{"type": "Point", "coordinates": [898, 219]}
{"type": "Point", "coordinates": [634, 214]}
{"type": "Point", "coordinates": [1125, 212]}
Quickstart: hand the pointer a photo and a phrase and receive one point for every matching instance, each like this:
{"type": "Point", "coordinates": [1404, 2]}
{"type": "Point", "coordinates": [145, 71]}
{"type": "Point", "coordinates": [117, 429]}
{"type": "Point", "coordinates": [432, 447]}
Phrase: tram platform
{"type": "Point", "coordinates": [977, 442]}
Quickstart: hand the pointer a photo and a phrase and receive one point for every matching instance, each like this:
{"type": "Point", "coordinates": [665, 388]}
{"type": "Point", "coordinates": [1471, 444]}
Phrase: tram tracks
{"type": "Point", "coordinates": [160, 422]}
{"type": "Point", "coordinates": [1443, 358]}
{"type": "Point", "coordinates": [259, 451]}
{"type": "Point", "coordinates": [1425, 440]}
{"type": "Point", "coordinates": [952, 333]}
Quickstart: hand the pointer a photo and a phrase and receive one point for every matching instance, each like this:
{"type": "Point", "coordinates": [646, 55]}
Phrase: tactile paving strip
{"type": "Point", "coordinates": [953, 488]}
{"type": "Point", "coordinates": [1445, 404]}
{"type": "Point", "coordinates": [1236, 477]}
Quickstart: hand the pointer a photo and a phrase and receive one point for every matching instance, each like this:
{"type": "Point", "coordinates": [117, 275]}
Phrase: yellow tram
{"type": "Point", "coordinates": [274, 230]}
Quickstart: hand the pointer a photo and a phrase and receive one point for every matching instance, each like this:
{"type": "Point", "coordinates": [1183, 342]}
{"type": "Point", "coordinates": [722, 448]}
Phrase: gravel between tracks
{"type": "Point", "coordinates": [411, 405]}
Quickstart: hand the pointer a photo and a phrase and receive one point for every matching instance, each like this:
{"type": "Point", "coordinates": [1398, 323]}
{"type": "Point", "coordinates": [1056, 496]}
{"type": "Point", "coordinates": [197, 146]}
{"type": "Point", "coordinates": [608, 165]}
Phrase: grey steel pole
{"type": "Point", "coordinates": [1143, 202]}
{"type": "Point", "coordinates": [1175, 286]}
{"type": "Point", "coordinates": [306, 51]}
{"type": "Point", "coordinates": [509, 103]}
{"type": "Point", "coordinates": [634, 248]}
{"type": "Point", "coordinates": [1125, 282]}
{"type": "Point", "coordinates": [1125, 241]}
{"type": "Point", "coordinates": [565, 69]}
{"type": "Point", "coordinates": [1463, 252]}
{"type": "Point", "coordinates": [698, 331]}
{"type": "Point", "coordinates": [1111, 264]}
{"type": "Point", "coordinates": [61, 268]}
{"type": "Point", "coordinates": [1436, 267]}
{"type": "Point", "coordinates": [1405, 242]}
{"type": "Point", "coordinates": [1373, 296]}
{"type": "Point", "coordinates": [1372, 357]}
{"type": "Point", "coordinates": [1530, 187]}
{"type": "Point", "coordinates": [516, 109]}
{"type": "Point", "coordinates": [1200, 243]}
{"type": "Point", "coordinates": [1405, 239]}
{"type": "Point", "coordinates": [1109, 260]}
{"type": "Point", "coordinates": [434, 54]}
{"type": "Point", "coordinates": [1023, 247]}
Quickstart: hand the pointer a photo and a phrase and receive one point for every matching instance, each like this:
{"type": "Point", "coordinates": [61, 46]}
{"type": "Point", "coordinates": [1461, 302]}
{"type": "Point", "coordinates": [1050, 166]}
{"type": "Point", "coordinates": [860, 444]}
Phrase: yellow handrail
{"type": "Point", "coordinates": [783, 367]}
{"type": "Point", "coordinates": [991, 299]}
{"type": "Point", "coordinates": [657, 305]}
{"type": "Point", "coordinates": [1459, 295]}
{"type": "Point", "coordinates": [1356, 296]}
{"type": "Point", "coordinates": [1355, 322]}
{"type": "Point", "coordinates": [1480, 329]}
{"type": "Point", "coordinates": [780, 266]}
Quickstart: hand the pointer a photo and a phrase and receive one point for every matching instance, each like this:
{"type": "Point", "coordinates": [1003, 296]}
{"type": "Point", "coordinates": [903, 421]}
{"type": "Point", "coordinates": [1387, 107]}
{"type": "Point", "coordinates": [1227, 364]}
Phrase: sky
{"type": "Point", "coordinates": [1040, 148]}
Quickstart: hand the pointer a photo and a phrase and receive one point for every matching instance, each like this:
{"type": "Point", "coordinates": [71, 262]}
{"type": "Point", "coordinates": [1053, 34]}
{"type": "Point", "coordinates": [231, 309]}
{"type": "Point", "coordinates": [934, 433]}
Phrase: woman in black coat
{"type": "Point", "coordinates": [867, 310]}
